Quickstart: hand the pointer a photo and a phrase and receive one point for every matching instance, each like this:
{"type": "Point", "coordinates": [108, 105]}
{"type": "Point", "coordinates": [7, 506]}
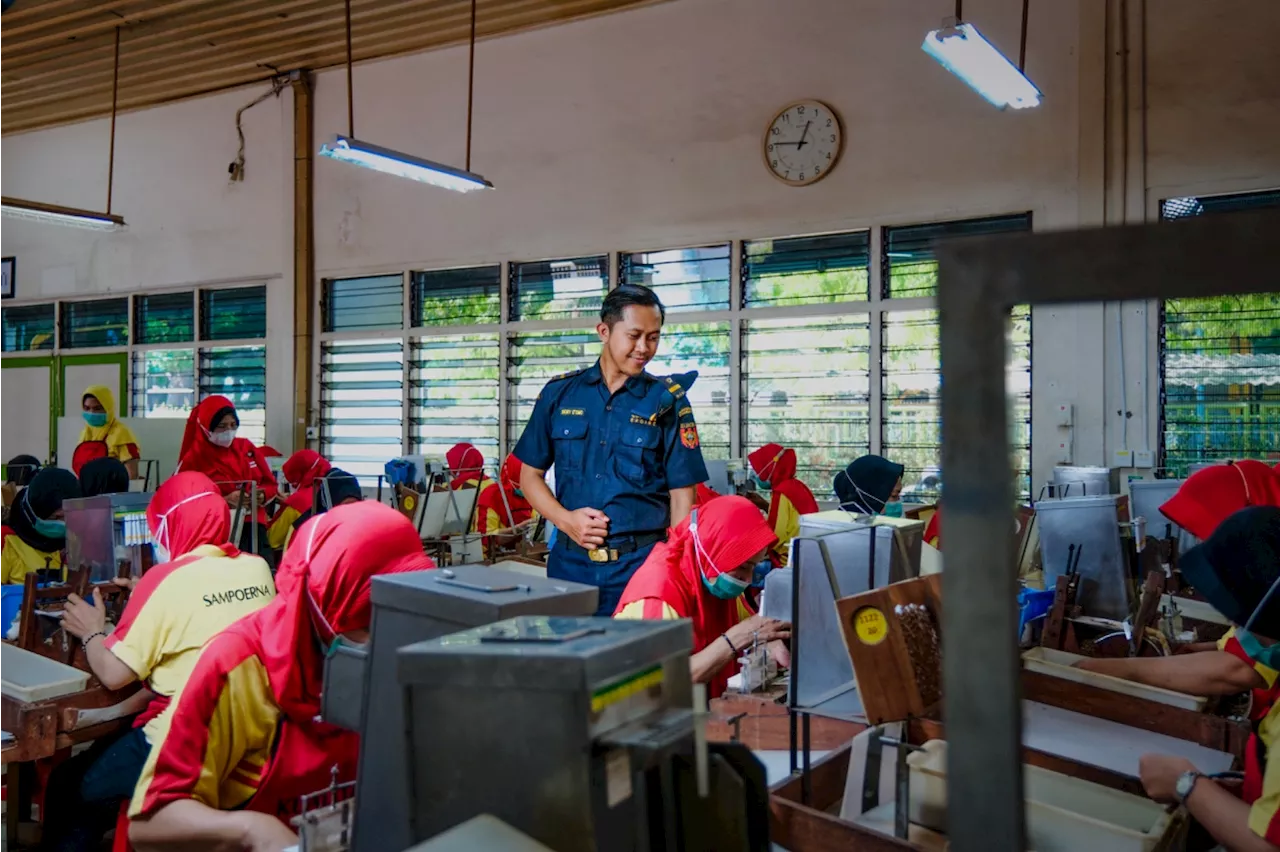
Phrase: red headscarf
{"type": "Point", "coordinates": [466, 464]}
{"type": "Point", "coordinates": [323, 590]}
{"type": "Point", "coordinates": [777, 467]}
{"type": "Point", "coordinates": [301, 470]}
{"type": "Point", "coordinates": [188, 511]}
{"type": "Point", "coordinates": [1213, 494]}
{"type": "Point", "coordinates": [491, 498]}
{"type": "Point", "coordinates": [704, 494]}
{"type": "Point", "coordinates": [730, 531]}
{"type": "Point", "coordinates": [238, 463]}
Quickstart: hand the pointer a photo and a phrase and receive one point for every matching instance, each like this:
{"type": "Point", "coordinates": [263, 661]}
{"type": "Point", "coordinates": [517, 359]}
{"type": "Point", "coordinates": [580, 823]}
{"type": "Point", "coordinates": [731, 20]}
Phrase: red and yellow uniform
{"type": "Point", "coordinates": [243, 732]}
{"type": "Point", "coordinates": [26, 542]}
{"type": "Point", "coordinates": [118, 440]}
{"type": "Point", "coordinates": [1262, 698]}
{"type": "Point", "coordinates": [466, 468]}
{"type": "Point", "coordinates": [301, 470]}
{"type": "Point", "coordinates": [229, 467]}
{"type": "Point", "coordinates": [789, 497]}
{"type": "Point", "coordinates": [504, 507]}
{"type": "Point", "coordinates": [1261, 789]}
{"type": "Point", "coordinates": [670, 584]}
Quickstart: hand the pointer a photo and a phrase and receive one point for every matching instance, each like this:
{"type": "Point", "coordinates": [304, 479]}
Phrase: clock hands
{"type": "Point", "coordinates": [800, 144]}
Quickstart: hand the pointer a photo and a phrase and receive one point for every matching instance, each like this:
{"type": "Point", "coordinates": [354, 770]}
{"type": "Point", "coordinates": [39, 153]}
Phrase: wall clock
{"type": "Point", "coordinates": [803, 142]}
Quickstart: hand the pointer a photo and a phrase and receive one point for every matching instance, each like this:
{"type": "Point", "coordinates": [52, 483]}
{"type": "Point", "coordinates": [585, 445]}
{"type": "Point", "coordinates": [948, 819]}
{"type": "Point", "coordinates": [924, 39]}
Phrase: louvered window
{"type": "Point", "coordinates": [237, 313]}
{"type": "Point", "coordinates": [363, 304]}
{"type": "Point", "coordinates": [164, 318]}
{"type": "Point", "coordinates": [164, 382]}
{"type": "Point", "coordinates": [240, 374]}
{"type": "Point", "coordinates": [695, 279]}
{"type": "Point", "coordinates": [101, 322]}
{"type": "Point", "coordinates": [805, 270]}
{"type": "Point", "coordinates": [28, 328]}
{"type": "Point", "coordinates": [571, 288]}
{"type": "Point", "coordinates": [1219, 361]}
{"type": "Point", "coordinates": [361, 390]}
{"type": "Point", "coordinates": [446, 297]}
{"type": "Point", "coordinates": [453, 394]}
{"type": "Point", "coordinates": [703, 347]}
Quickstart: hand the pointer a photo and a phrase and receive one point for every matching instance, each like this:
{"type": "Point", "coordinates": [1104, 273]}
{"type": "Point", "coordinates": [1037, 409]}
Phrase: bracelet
{"type": "Point", "coordinates": [732, 647]}
{"type": "Point", "coordinates": [86, 640]}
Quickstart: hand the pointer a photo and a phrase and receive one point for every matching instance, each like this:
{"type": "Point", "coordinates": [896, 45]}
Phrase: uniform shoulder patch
{"type": "Point", "coordinates": [689, 435]}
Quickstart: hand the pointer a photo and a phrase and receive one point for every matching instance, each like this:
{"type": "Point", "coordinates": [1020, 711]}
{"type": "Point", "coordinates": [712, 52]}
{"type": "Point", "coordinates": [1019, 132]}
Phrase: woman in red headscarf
{"type": "Point", "coordinates": [300, 470]}
{"type": "Point", "coordinates": [243, 744]}
{"type": "Point", "coordinates": [1226, 667]}
{"type": "Point", "coordinates": [700, 572]}
{"type": "Point", "coordinates": [789, 498]}
{"type": "Point", "coordinates": [199, 586]}
{"type": "Point", "coordinates": [210, 446]}
{"type": "Point", "coordinates": [504, 507]}
{"type": "Point", "coordinates": [466, 467]}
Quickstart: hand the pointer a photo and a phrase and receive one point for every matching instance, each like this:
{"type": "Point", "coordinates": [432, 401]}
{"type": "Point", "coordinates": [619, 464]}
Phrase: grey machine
{"type": "Point", "coordinates": [1085, 531]}
{"type": "Point", "coordinates": [360, 689]}
{"type": "Point", "coordinates": [578, 732]}
{"type": "Point", "coordinates": [105, 531]}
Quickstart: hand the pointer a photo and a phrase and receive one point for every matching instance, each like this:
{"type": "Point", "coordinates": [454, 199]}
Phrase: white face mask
{"type": "Point", "coordinates": [223, 439]}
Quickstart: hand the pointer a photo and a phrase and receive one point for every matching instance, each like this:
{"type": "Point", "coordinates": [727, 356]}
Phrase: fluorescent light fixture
{"type": "Point", "coordinates": [402, 165]}
{"type": "Point", "coordinates": [963, 51]}
{"type": "Point", "coordinates": [54, 214]}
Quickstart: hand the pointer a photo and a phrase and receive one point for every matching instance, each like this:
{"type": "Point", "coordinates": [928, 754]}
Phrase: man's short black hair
{"type": "Point", "coordinates": [629, 294]}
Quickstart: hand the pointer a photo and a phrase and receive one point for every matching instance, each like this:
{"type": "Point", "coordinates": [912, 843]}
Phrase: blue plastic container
{"type": "Point", "coordinates": [10, 603]}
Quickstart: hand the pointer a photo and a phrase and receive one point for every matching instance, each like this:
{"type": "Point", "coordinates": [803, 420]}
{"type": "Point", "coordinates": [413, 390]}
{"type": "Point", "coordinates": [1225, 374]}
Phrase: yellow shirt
{"type": "Point", "coordinates": [215, 751]}
{"type": "Point", "coordinates": [18, 559]}
{"type": "Point", "coordinates": [1232, 646]}
{"type": "Point", "coordinates": [119, 438]}
{"type": "Point", "coordinates": [1264, 811]}
{"type": "Point", "coordinates": [786, 527]}
{"type": "Point", "coordinates": [179, 606]}
{"type": "Point", "coordinates": [281, 529]}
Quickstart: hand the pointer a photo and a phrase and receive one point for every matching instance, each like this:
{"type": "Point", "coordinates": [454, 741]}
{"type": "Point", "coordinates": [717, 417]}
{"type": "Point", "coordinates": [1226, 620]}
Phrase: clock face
{"type": "Point", "coordinates": [802, 144]}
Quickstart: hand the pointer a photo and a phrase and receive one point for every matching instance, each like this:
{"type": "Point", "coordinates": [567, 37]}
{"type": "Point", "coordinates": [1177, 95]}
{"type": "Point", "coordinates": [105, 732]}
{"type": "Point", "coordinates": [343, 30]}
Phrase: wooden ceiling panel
{"type": "Point", "coordinates": [57, 60]}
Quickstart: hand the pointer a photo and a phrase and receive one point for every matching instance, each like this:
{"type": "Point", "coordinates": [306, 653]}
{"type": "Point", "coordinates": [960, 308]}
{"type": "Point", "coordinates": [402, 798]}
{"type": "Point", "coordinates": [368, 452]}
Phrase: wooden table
{"type": "Point", "coordinates": [43, 728]}
{"type": "Point", "coordinates": [760, 721]}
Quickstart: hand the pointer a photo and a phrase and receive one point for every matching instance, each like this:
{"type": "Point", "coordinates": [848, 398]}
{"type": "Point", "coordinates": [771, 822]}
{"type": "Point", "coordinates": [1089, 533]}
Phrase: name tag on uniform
{"type": "Point", "coordinates": [576, 411]}
{"type": "Point", "coordinates": [651, 420]}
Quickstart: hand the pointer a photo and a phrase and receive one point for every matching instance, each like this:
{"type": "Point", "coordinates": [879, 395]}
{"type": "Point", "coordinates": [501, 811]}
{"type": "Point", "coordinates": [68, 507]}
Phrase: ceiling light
{"type": "Point", "coordinates": [963, 51]}
{"type": "Point", "coordinates": [402, 165]}
{"type": "Point", "coordinates": [54, 214]}
{"type": "Point", "coordinates": [349, 149]}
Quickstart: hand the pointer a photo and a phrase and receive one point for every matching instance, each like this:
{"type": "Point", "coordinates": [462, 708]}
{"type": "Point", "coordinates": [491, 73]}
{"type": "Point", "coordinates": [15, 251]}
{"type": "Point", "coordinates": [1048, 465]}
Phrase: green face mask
{"type": "Point", "coordinates": [50, 529]}
{"type": "Point", "coordinates": [724, 586]}
{"type": "Point", "coordinates": [96, 419]}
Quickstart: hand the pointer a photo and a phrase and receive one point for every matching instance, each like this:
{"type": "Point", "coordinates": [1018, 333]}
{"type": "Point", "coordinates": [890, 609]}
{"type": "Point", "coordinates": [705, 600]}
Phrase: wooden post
{"type": "Point", "coordinates": [304, 285]}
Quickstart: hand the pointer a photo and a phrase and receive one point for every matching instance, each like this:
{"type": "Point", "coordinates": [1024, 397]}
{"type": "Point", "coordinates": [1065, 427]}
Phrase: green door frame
{"type": "Point", "coordinates": [119, 358]}
{"type": "Point", "coordinates": [48, 361]}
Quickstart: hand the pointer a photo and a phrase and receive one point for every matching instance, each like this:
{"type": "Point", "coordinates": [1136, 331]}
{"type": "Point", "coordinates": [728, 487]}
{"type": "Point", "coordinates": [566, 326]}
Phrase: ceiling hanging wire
{"type": "Point", "coordinates": [75, 217]}
{"type": "Point", "coordinates": [349, 149]}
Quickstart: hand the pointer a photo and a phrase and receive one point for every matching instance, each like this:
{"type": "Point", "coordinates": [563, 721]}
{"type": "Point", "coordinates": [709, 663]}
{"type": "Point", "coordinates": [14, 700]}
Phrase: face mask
{"type": "Point", "coordinates": [341, 641]}
{"type": "Point", "coordinates": [223, 439]}
{"type": "Point", "coordinates": [96, 419]}
{"type": "Point", "coordinates": [759, 483]}
{"type": "Point", "coordinates": [159, 554]}
{"type": "Point", "coordinates": [892, 509]}
{"type": "Point", "coordinates": [762, 569]}
{"type": "Point", "coordinates": [724, 586]}
{"type": "Point", "coordinates": [50, 529]}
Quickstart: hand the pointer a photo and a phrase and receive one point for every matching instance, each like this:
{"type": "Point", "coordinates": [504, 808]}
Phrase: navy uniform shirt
{"type": "Point", "coordinates": [621, 453]}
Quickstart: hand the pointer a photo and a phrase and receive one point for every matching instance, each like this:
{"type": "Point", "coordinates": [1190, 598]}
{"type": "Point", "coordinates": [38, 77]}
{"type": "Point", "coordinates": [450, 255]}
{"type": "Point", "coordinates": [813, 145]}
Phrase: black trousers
{"type": "Point", "coordinates": [85, 792]}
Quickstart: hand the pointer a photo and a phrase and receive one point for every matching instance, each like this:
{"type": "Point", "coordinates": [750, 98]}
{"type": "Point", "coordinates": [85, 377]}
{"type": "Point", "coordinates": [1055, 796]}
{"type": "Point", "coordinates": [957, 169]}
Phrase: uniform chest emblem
{"type": "Point", "coordinates": [651, 420]}
{"type": "Point", "coordinates": [689, 435]}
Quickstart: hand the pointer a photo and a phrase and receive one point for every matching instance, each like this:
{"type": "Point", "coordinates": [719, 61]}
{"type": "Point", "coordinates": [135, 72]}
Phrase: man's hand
{"type": "Point", "coordinates": [264, 833]}
{"type": "Point", "coordinates": [742, 633]}
{"type": "Point", "coordinates": [588, 527]}
{"type": "Point", "coordinates": [1160, 773]}
{"type": "Point", "coordinates": [81, 619]}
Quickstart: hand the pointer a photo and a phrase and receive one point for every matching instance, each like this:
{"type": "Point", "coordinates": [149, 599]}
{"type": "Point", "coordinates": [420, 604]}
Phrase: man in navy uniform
{"type": "Point", "coordinates": [625, 447]}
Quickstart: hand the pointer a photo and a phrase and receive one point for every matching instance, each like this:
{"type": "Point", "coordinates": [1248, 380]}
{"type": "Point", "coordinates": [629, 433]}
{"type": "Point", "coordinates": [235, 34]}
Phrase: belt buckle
{"type": "Point", "coordinates": [602, 554]}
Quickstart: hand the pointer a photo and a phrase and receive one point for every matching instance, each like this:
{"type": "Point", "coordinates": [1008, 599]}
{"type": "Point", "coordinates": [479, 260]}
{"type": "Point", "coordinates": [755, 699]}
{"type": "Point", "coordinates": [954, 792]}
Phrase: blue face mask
{"type": "Point", "coordinates": [50, 529]}
{"type": "Point", "coordinates": [96, 419]}
{"type": "Point", "coordinates": [892, 509]}
{"type": "Point", "coordinates": [759, 483]}
{"type": "Point", "coordinates": [762, 569]}
{"type": "Point", "coordinates": [1267, 655]}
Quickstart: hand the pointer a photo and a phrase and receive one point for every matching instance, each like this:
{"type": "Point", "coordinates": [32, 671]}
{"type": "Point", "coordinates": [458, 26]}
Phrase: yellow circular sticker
{"type": "Point", "coordinates": [409, 504]}
{"type": "Point", "coordinates": [870, 625]}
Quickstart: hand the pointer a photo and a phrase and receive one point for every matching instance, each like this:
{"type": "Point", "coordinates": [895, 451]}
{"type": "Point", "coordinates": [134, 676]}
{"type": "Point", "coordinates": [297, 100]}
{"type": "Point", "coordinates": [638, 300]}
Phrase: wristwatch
{"type": "Point", "coordinates": [1185, 784]}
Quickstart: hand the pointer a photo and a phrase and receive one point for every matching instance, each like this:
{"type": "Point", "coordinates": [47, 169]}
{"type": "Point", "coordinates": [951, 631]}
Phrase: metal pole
{"type": "Point", "coordinates": [351, 108]}
{"type": "Point", "coordinates": [1022, 49]}
{"type": "Point", "coordinates": [115, 100]}
{"type": "Point", "coordinates": [471, 80]}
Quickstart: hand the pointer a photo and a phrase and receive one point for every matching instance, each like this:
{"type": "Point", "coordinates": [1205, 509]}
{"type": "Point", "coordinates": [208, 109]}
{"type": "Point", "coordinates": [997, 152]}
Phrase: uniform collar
{"type": "Point", "coordinates": [637, 385]}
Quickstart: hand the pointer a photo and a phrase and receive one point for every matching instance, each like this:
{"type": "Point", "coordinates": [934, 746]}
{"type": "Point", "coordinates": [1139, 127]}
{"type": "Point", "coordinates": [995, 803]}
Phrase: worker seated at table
{"type": "Point", "coordinates": [1237, 569]}
{"type": "Point", "coordinates": [18, 473]}
{"type": "Point", "coordinates": [701, 572]}
{"type": "Point", "coordinates": [103, 476]}
{"type": "Point", "coordinates": [870, 485]}
{"type": "Point", "coordinates": [466, 468]}
{"type": "Point", "coordinates": [35, 534]}
{"type": "Point", "coordinates": [335, 488]}
{"type": "Point", "coordinates": [242, 743]}
{"type": "Point", "coordinates": [789, 498]}
{"type": "Point", "coordinates": [300, 470]}
{"type": "Point", "coordinates": [1226, 667]}
{"type": "Point", "coordinates": [210, 446]}
{"type": "Point", "coordinates": [98, 408]}
{"type": "Point", "coordinates": [504, 508]}
{"type": "Point", "coordinates": [199, 586]}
